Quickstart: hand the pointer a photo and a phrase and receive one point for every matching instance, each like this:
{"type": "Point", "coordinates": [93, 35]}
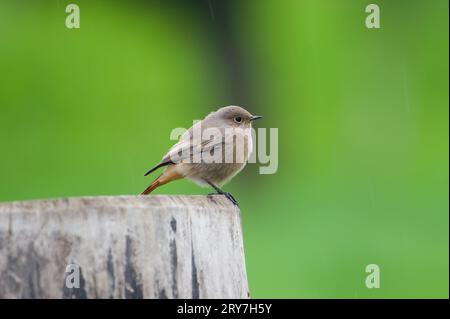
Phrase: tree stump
{"type": "Point", "coordinates": [122, 247]}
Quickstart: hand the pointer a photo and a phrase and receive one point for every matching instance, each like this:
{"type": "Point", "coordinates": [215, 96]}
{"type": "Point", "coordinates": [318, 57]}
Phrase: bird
{"type": "Point", "coordinates": [211, 152]}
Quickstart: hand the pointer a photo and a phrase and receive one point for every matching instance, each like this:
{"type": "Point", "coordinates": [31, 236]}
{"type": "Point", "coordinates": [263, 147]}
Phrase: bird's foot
{"type": "Point", "coordinates": [231, 198]}
{"type": "Point", "coordinates": [228, 196]}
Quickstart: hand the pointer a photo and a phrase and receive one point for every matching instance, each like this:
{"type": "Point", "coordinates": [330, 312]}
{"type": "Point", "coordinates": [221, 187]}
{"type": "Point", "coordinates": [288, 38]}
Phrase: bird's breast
{"type": "Point", "coordinates": [217, 173]}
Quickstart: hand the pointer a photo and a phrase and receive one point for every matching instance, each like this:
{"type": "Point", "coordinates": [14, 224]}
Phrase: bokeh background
{"type": "Point", "coordinates": [362, 117]}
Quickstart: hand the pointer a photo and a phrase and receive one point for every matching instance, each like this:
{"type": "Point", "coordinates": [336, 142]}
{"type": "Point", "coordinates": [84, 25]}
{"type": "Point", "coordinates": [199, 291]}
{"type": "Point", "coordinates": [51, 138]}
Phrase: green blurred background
{"type": "Point", "coordinates": [362, 117]}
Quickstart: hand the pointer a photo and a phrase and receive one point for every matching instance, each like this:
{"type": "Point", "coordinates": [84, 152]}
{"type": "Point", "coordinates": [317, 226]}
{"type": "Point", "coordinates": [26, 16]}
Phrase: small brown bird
{"type": "Point", "coordinates": [211, 152]}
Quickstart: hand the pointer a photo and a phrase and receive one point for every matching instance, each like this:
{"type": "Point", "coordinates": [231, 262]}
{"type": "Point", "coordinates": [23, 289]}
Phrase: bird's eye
{"type": "Point", "coordinates": [238, 119]}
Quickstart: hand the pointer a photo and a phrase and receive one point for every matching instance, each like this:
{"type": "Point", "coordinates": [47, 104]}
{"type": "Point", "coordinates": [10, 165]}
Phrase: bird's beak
{"type": "Point", "coordinates": [255, 117]}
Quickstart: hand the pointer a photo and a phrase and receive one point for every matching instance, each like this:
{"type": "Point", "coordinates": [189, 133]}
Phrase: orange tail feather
{"type": "Point", "coordinates": [167, 176]}
{"type": "Point", "coordinates": [151, 188]}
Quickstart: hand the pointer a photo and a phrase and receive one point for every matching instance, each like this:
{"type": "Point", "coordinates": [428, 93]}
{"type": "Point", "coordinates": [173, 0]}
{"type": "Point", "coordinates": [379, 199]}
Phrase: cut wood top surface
{"type": "Point", "coordinates": [197, 201]}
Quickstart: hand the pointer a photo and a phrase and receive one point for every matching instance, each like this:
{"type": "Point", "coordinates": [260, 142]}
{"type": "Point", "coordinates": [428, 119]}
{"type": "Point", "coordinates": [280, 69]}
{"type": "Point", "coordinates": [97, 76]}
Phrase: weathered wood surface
{"type": "Point", "coordinates": [124, 247]}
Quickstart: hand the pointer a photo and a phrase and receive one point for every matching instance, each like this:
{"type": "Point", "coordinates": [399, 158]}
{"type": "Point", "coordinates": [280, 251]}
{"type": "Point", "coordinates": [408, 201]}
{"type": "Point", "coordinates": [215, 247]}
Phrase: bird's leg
{"type": "Point", "coordinates": [217, 189]}
{"type": "Point", "coordinates": [221, 192]}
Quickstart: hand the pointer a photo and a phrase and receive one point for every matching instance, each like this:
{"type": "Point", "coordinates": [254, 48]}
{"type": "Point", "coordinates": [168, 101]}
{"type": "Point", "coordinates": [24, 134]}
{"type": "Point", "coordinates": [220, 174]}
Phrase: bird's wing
{"type": "Point", "coordinates": [160, 164]}
{"type": "Point", "coordinates": [194, 148]}
{"type": "Point", "coordinates": [187, 147]}
{"type": "Point", "coordinates": [191, 149]}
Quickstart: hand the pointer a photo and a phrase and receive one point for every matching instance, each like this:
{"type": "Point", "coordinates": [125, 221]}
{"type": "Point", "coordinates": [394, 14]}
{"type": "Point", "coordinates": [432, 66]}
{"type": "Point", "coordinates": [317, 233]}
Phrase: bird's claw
{"type": "Point", "coordinates": [228, 196]}
{"type": "Point", "coordinates": [231, 198]}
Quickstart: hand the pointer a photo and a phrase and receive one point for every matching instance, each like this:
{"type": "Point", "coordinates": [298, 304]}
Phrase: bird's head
{"type": "Point", "coordinates": [234, 116]}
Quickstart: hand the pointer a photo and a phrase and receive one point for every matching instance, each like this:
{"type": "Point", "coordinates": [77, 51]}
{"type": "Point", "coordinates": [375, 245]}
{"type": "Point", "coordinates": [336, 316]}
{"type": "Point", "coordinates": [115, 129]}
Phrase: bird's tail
{"type": "Point", "coordinates": [170, 174]}
{"type": "Point", "coordinates": [152, 187]}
